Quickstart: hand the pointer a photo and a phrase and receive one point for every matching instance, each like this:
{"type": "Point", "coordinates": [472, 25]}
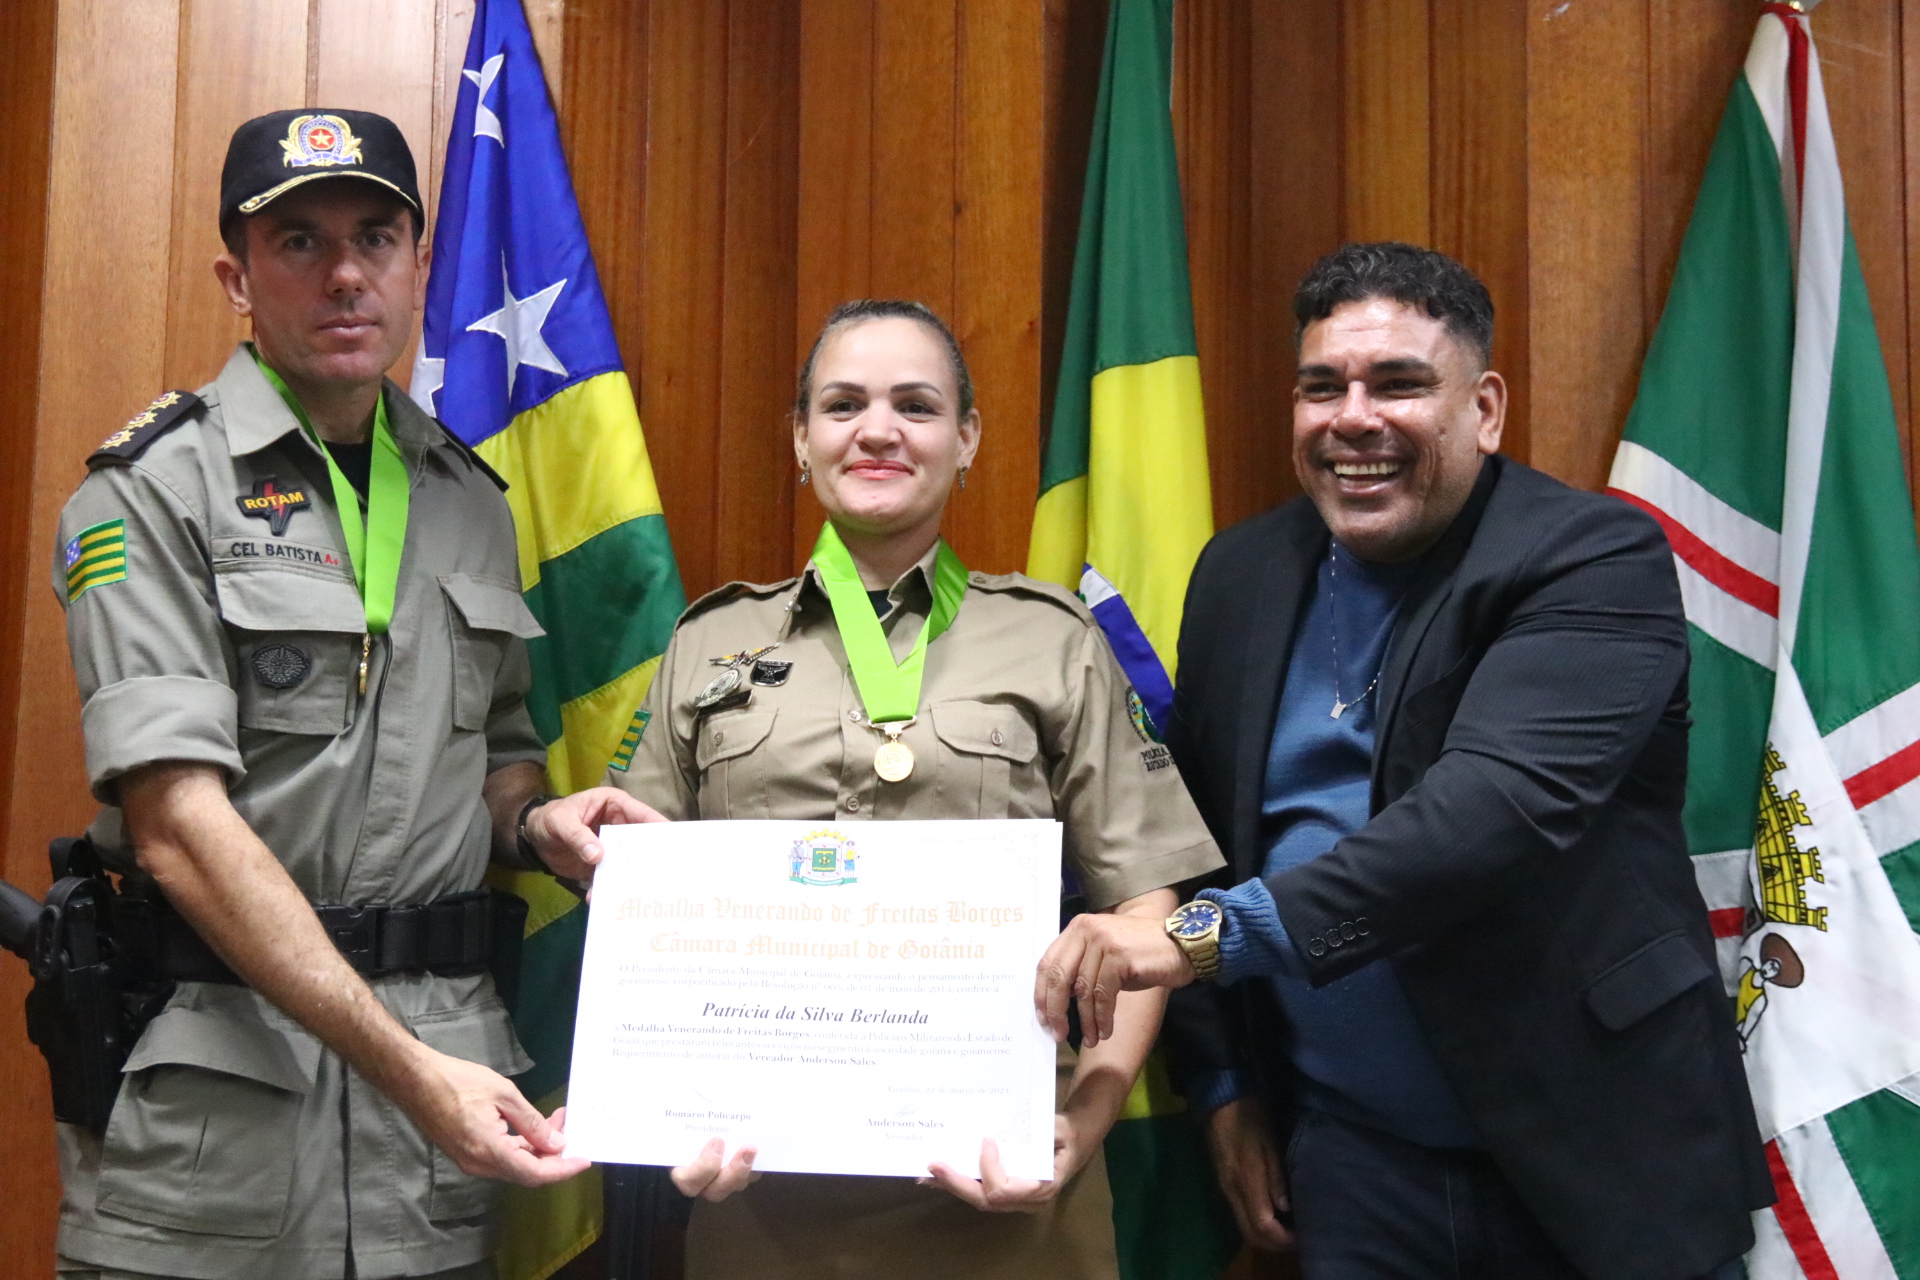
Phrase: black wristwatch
{"type": "Point", "coordinates": [529, 854]}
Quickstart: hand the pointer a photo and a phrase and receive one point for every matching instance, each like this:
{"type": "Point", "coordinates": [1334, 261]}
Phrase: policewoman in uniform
{"type": "Point", "coordinates": [294, 614]}
{"type": "Point", "coordinates": [889, 682]}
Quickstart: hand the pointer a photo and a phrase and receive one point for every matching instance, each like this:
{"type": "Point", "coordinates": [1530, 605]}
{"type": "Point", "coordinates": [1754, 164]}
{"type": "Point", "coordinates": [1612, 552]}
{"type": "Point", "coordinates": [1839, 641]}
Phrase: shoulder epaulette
{"type": "Point", "coordinates": [1020, 584]}
{"type": "Point", "coordinates": [733, 591]}
{"type": "Point", "coordinates": [129, 442]}
{"type": "Point", "coordinates": [473, 455]}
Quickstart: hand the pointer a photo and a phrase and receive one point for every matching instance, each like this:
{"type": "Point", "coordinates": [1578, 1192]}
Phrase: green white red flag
{"type": "Point", "coordinates": [1764, 440]}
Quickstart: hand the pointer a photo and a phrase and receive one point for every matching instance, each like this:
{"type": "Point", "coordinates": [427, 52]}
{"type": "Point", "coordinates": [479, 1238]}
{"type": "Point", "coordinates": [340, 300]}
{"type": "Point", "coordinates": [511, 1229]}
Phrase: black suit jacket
{"type": "Point", "coordinates": [1524, 870]}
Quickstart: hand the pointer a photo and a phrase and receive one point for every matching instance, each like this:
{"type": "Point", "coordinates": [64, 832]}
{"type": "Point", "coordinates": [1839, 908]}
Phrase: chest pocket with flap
{"type": "Point", "coordinates": [981, 744]}
{"type": "Point", "coordinates": [297, 638]}
{"type": "Point", "coordinates": [733, 782]}
{"type": "Point", "coordinates": [483, 616]}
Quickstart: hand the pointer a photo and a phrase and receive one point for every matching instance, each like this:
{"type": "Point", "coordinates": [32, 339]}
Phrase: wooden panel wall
{"type": "Point", "coordinates": [778, 160]}
{"type": "Point", "coordinates": [1554, 148]}
{"type": "Point", "coordinates": [921, 150]}
{"type": "Point", "coordinates": [26, 103]}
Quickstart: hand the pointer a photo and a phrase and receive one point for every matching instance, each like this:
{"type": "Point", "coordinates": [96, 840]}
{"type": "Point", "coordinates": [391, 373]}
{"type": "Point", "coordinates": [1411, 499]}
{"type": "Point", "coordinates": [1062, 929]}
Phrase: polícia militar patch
{"type": "Point", "coordinates": [1142, 722]}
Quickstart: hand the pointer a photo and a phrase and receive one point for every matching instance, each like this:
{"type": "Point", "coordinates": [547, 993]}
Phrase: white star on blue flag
{"type": "Point", "coordinates": [514, 308]}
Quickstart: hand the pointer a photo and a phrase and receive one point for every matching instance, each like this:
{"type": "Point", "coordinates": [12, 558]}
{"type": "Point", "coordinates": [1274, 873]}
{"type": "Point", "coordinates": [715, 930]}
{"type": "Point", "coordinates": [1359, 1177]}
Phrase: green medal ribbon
{"type": "Point", "coordinates": [889, 690]}
{"type": "Point", "coordinates": [375, 539]}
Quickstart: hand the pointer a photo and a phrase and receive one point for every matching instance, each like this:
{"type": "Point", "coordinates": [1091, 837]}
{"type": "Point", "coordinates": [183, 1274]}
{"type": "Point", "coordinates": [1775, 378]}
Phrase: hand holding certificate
{"type": "Point", "coordinates": [852, 999]}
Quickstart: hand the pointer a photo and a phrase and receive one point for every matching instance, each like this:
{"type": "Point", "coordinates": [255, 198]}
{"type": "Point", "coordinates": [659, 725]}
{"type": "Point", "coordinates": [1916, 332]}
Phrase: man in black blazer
{"type": "Point", "coordinates": [1435, 711]}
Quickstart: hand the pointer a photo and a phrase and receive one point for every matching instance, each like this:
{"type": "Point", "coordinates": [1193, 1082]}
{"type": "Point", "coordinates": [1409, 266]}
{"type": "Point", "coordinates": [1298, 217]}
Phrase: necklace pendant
{"type": "Point", "coordinates": [1338, 707]}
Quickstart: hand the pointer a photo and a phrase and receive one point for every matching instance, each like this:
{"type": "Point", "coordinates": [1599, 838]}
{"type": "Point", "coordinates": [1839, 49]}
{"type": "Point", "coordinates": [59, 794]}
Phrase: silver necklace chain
{"type": "Point", "coordinates": [1340, 704]}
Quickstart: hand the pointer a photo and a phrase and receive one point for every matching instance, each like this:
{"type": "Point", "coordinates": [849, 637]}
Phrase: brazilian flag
{"type": "Point", "coordinates": [1125, 507]}
{"type": "Point", "coordinates": [518, 358]}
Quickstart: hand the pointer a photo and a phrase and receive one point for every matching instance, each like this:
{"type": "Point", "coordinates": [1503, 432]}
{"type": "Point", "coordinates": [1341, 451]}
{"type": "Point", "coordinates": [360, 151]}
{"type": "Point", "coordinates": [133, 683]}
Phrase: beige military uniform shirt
{"type": "Point", "coordinates": [239, 1145]}
{"type": "Point", "coordinates": [1024, 713]}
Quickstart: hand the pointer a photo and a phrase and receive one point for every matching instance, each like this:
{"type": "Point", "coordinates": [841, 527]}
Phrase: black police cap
{"type": "Point", "coordinates": [273, 154]}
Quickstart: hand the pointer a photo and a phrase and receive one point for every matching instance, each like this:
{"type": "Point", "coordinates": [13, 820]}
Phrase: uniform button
{"type": "Point", "coordinates": [1334, 939]}
{"type": "Point", "coordinates": [719, 736]}
{"type": "Point", "coordinates": [1364, 925]}
{"type": "Point", "coordinates": [1316, 948]}
{"type": "Point", "coordinates": [853, 804]}
{"type": "Point", "coordinates": [854, 716]}
{"type": "Point", "coordinates": [998, 741]}
{"type": "Point", "coordinates": [1347, 930]}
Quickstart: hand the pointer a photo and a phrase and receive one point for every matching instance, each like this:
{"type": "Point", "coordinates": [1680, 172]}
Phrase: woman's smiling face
{"type": "Point", "coordinates": [882, 433]}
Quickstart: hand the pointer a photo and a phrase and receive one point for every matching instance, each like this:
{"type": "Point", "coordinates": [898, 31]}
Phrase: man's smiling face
{"type": "Point", "coordinates": [1391, 416]}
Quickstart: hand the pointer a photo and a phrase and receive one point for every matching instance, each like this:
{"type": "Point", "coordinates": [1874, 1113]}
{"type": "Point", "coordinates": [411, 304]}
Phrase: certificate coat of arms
{"type": "Point", "coordinates": [822, 858]}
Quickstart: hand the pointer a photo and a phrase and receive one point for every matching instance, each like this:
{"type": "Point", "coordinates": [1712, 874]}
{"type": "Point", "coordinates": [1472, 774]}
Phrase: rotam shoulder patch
{"type": "Point", "coordinates": [167, 411]}
{"type": "Point", "coordinates": [473, 455]}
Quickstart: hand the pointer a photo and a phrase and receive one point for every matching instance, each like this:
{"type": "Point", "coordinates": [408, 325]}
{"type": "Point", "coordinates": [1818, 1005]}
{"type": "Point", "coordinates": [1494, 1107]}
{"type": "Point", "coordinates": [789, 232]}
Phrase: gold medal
{"type": "Point", "coordinates": [894, 760]}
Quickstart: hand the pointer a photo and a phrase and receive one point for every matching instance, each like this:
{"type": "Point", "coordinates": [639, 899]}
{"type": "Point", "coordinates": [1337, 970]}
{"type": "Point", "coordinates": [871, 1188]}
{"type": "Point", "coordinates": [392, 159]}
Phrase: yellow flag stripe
{"type": "Point", "coordinates": [1058, 551]}
{"type": "Point", "coordinates": [575, 465]}
{"type": "Point", "coordinates": [593, 725]}
{"type": "Point", "coordinates": [111, 553]}
{"type": "Point", "coordinates": [1149, 498]}
{"type": "Point", "coordinates": [546, 900]}
{"type": "Point", "coordinates": [105, 566]}
{"type": "Point", "coordinates": [1152, 1093]}
{"type": "Point", "coordinates": [78, 588]}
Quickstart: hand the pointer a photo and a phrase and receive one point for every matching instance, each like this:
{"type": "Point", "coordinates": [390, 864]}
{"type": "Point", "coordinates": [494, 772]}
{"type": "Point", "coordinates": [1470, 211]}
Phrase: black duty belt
{"type": "Point", "coordinates": [461, 933]}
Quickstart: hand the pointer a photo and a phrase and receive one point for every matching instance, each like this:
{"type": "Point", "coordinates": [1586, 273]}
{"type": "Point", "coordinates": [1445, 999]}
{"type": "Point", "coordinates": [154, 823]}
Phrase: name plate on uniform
{"type": "Point", "coordinates": [852, 998]}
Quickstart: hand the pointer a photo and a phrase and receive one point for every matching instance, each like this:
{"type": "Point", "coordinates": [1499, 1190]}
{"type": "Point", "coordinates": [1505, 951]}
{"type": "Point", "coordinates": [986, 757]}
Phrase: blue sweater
{"type": "Point", "coordinates": [1357, 1050]}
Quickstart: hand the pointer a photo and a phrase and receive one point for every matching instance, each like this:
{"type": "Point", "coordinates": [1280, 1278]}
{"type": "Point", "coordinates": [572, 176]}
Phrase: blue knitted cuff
{"type": "Point", "coordinates": [1211, 1090]}
{"type": "Point", "coordinates": [1252, 939]}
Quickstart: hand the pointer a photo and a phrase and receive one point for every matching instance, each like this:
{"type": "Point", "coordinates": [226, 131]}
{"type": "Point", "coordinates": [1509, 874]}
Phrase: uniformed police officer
{"type": "Point", "coordinates": [777, 702]}
{"type": "Point", "coordinates": [294, 612]}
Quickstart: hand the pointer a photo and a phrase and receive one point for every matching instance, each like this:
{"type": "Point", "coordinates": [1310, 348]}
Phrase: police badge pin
{"type": "Point", "coordinates": [722, 687]}
{"type": "Point", "coordinates": [770, 673]}
{"type": "Point", "coordinates": [322, 141]}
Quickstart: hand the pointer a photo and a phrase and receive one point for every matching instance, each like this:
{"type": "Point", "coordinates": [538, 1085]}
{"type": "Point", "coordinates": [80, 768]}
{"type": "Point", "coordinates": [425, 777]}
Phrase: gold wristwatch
{"type": "Point", "coordinates": [1195, 927]}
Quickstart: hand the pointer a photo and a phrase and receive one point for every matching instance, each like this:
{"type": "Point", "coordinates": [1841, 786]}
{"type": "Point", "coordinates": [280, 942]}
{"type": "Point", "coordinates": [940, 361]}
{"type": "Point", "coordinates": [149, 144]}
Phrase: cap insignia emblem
{"type": "Point", "coordinates": [322, 141]}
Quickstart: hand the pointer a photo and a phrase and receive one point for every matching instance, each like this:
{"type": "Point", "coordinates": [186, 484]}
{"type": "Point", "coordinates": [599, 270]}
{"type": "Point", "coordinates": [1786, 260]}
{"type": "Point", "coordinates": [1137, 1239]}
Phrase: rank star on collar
{"type": "Point", "coordinates": [518, 323]}
{"type": "Point", "coordinates": [271, 503]}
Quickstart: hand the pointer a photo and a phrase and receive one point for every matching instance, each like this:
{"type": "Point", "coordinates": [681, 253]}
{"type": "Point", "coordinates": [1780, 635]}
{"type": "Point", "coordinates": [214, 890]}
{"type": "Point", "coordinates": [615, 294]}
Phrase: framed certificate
{"type": "Point", "coordinates": [850, 998]}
